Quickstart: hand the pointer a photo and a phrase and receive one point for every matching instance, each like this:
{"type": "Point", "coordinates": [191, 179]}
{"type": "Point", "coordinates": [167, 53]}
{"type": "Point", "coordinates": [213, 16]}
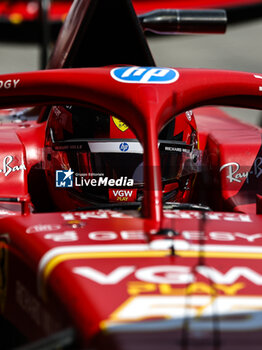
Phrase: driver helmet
{"type": "Point", "coordinates": [103, 159]}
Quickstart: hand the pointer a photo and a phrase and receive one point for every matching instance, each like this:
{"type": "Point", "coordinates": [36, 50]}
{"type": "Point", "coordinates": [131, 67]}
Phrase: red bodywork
{"type": "Point", "coordinates": [109, 270]}
{"type": "Point", "coordinates": [156, 278]}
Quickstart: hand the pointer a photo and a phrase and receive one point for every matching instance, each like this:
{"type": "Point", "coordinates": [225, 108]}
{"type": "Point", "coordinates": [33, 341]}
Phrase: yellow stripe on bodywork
{"type": "Point", "coordinates": [103, 255]}
{"type": "Point", "coordinates": [144, 254]}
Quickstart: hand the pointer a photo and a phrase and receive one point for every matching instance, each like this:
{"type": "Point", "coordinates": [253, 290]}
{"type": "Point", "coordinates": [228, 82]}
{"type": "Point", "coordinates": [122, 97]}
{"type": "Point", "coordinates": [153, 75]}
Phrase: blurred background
{"type": "Point", "coordinates": [239, 49]}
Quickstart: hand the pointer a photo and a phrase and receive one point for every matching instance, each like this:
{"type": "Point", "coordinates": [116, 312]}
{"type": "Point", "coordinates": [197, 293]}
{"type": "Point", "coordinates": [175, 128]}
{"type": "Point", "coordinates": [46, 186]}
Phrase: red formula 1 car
{"type": "Point", "coordinates": [131, 204]}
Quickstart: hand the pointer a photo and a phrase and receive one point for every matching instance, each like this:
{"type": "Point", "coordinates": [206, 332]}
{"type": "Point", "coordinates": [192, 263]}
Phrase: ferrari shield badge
{"type": "Point", "coordinates": [119, 124]}
{"type": "Point", "coordinates": [145, 75]}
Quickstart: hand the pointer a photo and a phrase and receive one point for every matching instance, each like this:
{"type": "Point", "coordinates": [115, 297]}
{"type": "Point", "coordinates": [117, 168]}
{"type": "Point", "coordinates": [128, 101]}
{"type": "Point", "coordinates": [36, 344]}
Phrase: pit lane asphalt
{"type": "Point", "coordinates": [239, 49]}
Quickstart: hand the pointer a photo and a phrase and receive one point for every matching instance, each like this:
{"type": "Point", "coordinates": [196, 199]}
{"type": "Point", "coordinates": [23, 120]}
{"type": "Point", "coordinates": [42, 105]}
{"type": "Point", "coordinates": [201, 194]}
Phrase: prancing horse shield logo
{"type": "Point", "coordinates": [119, 124]}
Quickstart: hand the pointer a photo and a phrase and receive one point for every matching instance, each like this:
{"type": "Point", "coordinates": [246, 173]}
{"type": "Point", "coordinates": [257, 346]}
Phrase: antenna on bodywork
{"type": "Point", "coordinates": [185, 21]}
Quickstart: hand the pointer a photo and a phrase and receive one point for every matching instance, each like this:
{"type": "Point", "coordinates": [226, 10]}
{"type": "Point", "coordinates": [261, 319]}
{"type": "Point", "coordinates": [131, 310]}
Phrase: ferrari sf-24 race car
{"type": "Point", "coordinates": [130, 203]}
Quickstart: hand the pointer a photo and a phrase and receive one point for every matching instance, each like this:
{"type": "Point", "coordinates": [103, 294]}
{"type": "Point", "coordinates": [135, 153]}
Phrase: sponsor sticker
{"type": "Point", "coordinates": [232, 217]}
{"type": "Point", "coordinates": [124, 147]}
{"type": "Point", "coordinates": [97, 214]}
{"type": "Point", "coordinates": [4, 212]}
{"type": "Point", "coordinates": [145, 75]}
{"type": "Point", "coordinates": [67, 236]}
{"type": "Point", "coordinates": [43, 228]}
{"type": "Point", "coordinates": [234, 175]}
{"type": "Point", "coordinates": [8, 166]}
{"type": "Point", "coordinates": [169, 274]}
{"type": "Point", "coordinates": [238, 173]}
{"type": "Point", "coordinates": [8, 84]}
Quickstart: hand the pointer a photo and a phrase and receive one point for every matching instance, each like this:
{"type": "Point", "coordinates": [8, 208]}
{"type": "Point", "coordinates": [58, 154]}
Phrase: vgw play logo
{"type": "Point", "coordinates": [145, 75]}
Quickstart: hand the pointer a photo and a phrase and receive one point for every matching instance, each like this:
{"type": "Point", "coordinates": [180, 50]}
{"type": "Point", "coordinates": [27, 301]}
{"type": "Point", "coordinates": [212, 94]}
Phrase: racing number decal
{"type": "Point", "coordinates": [199, 308]}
